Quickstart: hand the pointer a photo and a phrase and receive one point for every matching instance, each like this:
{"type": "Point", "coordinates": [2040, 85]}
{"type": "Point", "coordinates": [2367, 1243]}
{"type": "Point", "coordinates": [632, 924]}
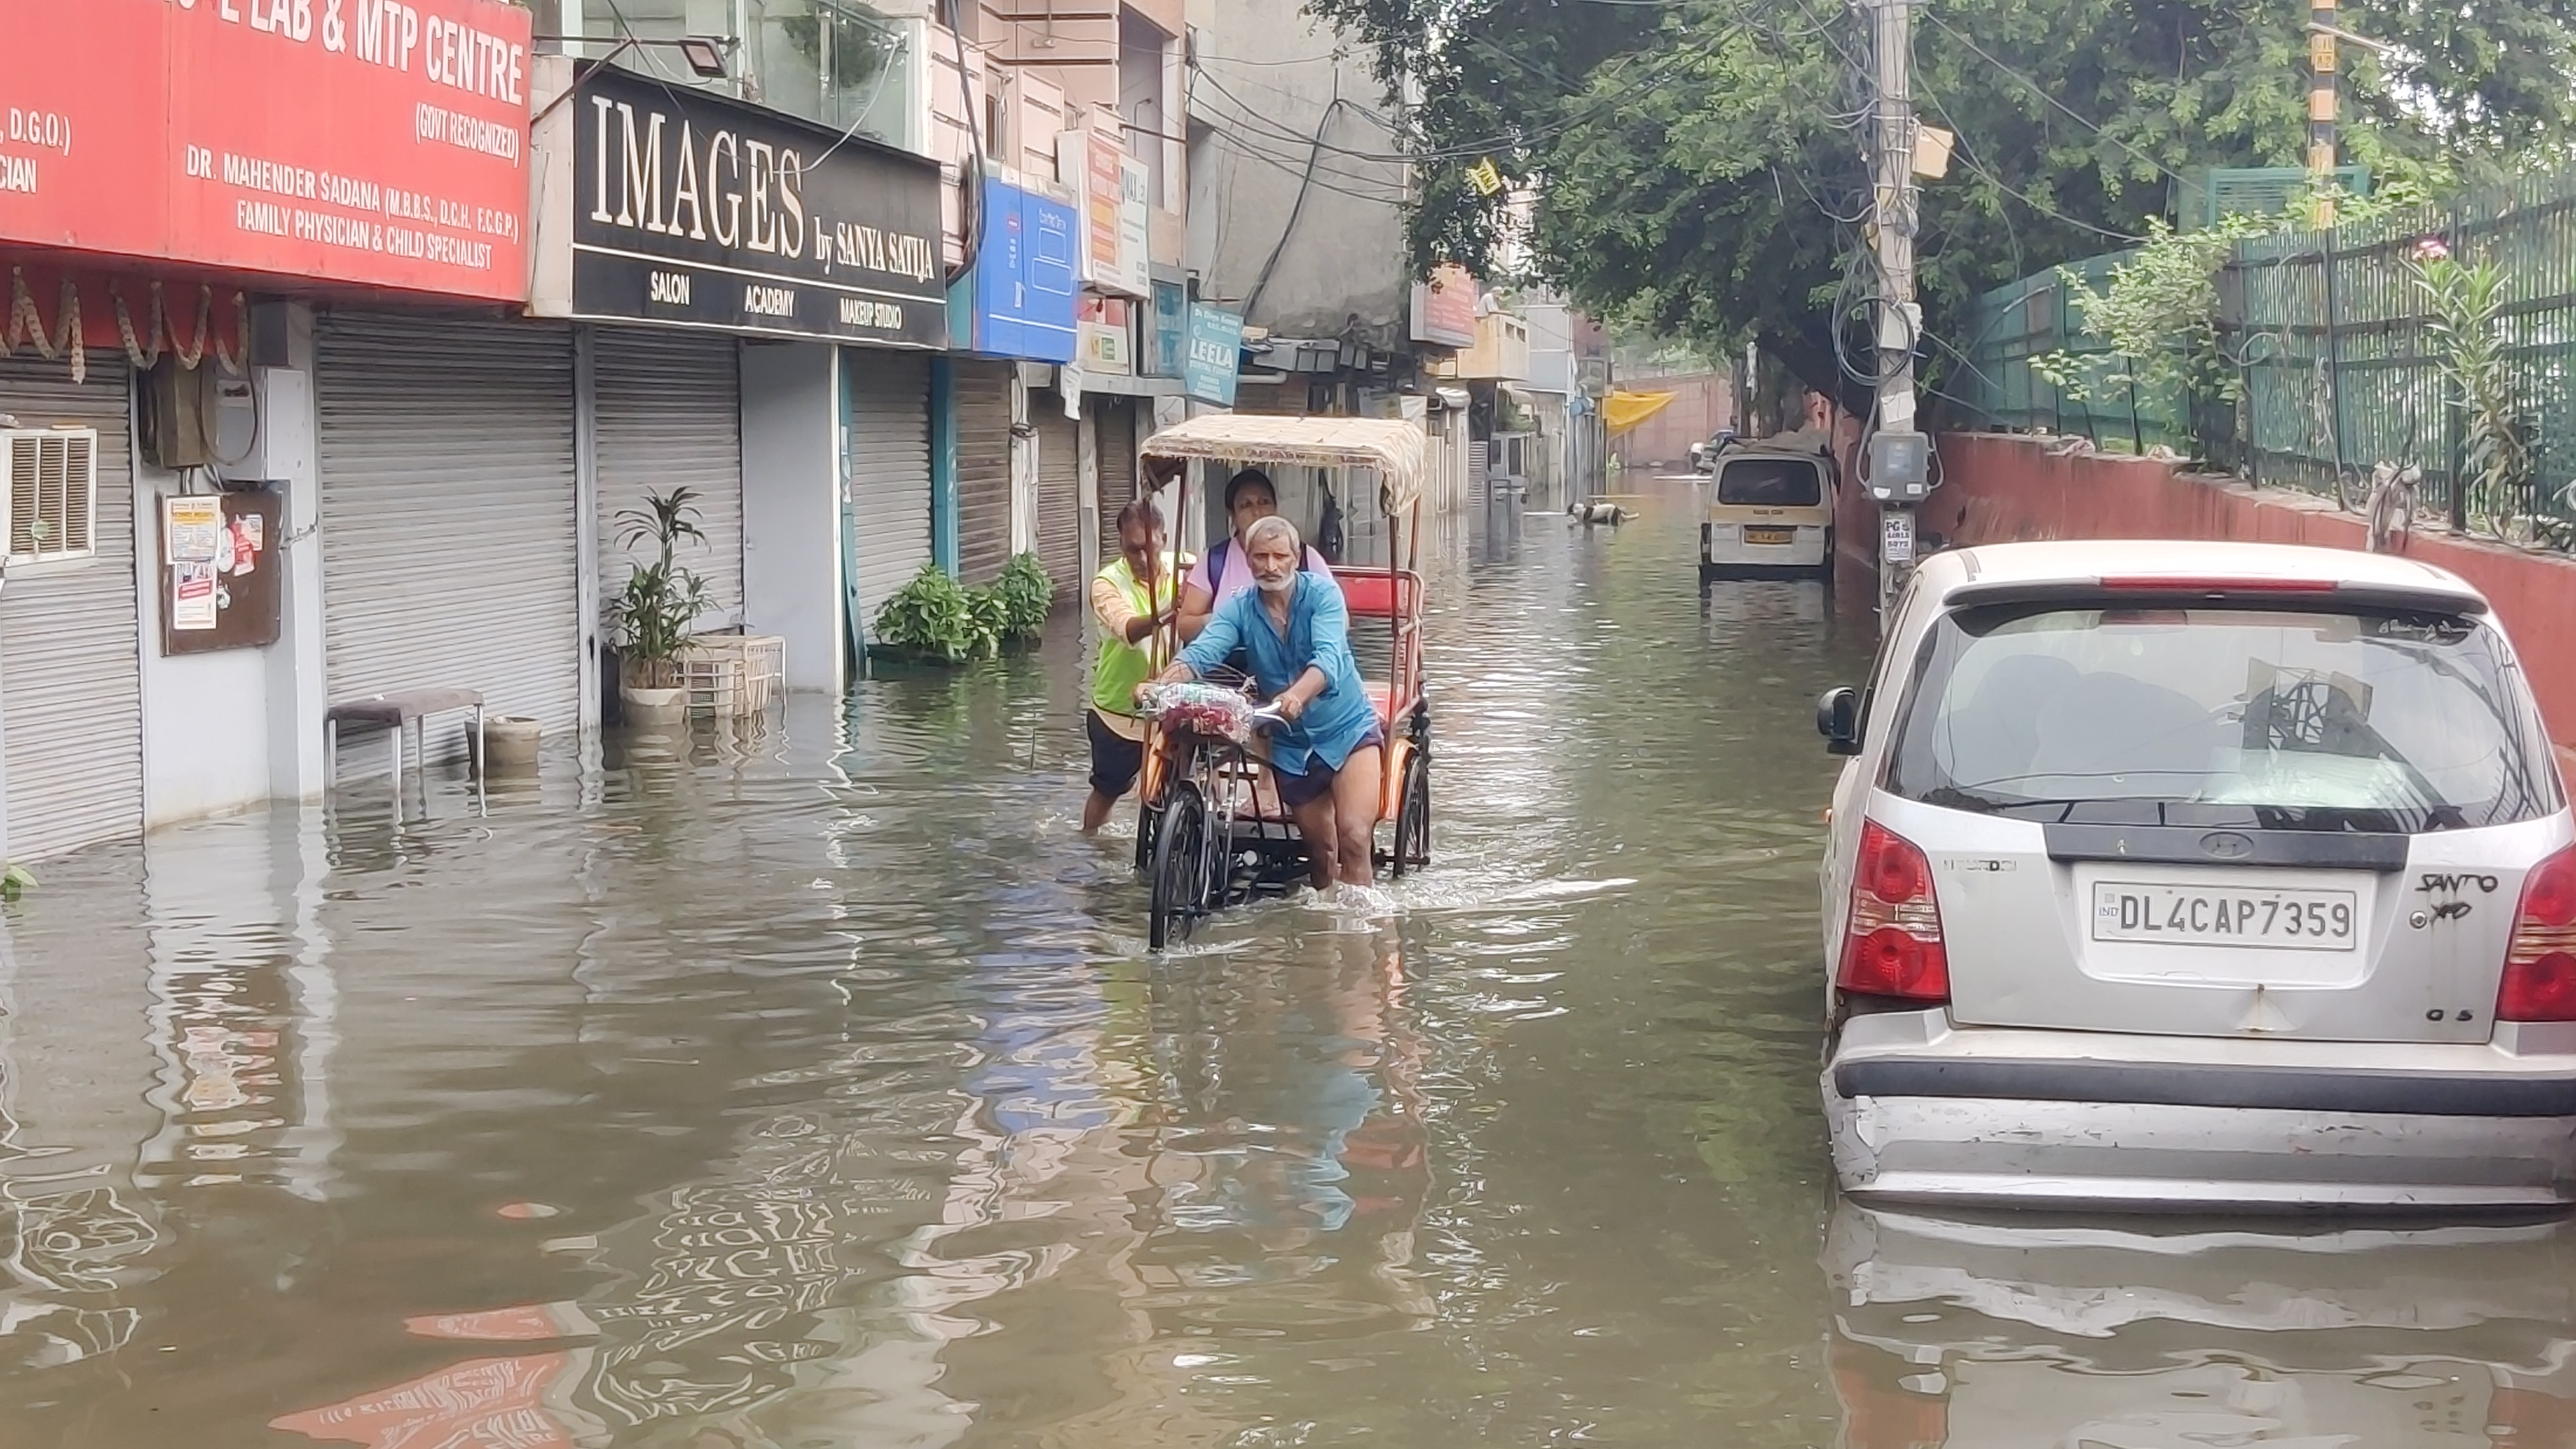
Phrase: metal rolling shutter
{"type": "Point", "coordinates": [983, 468]}
{"type": "Point", "coordinates": [1117, 430]}
{"type": "Point", "coordinates": [71, 666]}
{"type": "Point", "coordinates": [670, 416]}
{"type": "Point", "coordinates": [448, 541]}
{"type": "Point", "coordinates": [1059, 519]}
{"type": "Point", "coordinates": [889, 472]}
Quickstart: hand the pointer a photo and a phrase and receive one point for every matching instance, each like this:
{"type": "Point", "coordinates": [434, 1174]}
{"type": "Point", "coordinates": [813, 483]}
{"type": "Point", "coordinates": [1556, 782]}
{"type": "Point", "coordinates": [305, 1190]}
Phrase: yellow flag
{"type": "Point", "coordinates": [1486, 177]}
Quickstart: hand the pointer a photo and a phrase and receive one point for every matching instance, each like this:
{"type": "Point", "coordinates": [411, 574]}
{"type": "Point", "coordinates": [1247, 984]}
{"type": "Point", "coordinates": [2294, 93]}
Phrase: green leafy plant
{"type": "Point", "coordinates": [2464, 310]}
{"type": "Point", "coordinates": [2159, 309]}
{"type": "Point", "coordinates": [650, 617]}
{"type": "Point", "coordinates": [1026, 595]}
{"type": "Point", "coordinates": [935, 616]}
{"type": "Point", "coordinates": [992, 617]}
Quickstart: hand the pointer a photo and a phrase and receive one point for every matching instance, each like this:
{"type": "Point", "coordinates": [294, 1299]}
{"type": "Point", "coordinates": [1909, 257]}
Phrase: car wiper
{"type": "Point", "coordinates": [1950, 797]}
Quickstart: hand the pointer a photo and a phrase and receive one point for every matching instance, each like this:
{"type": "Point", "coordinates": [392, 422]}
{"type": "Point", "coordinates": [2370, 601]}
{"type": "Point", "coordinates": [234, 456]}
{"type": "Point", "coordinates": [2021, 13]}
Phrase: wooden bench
{"type": "Point", "coordinates": [400, 713]}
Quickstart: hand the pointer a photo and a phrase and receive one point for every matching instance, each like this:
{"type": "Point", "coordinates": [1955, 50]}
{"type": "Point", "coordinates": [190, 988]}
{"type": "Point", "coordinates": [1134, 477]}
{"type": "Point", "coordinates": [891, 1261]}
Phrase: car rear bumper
{"type": "Point", "coordinates": [1724, 553]}
{"type": "Point", "coordinates": [1924, 1112]}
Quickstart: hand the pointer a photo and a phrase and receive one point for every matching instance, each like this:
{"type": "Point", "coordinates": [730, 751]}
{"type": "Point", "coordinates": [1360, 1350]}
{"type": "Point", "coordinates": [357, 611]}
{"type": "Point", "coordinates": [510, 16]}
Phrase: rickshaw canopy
{"type": "Point", "coordinates": [1390, 447]}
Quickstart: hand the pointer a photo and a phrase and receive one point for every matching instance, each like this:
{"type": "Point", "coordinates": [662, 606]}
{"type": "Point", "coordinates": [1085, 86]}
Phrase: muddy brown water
{"type": "Point", "coordinates": [814, 1088]}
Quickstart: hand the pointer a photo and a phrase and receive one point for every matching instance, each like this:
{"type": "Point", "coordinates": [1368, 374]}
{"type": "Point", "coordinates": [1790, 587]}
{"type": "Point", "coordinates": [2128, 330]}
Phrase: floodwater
{"type": "Point", "coordinates": [815, 1089]}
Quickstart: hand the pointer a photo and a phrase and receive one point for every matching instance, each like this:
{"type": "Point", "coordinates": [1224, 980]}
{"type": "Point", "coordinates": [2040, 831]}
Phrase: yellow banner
{"type": "Point", "coordinates": [1624, 410]}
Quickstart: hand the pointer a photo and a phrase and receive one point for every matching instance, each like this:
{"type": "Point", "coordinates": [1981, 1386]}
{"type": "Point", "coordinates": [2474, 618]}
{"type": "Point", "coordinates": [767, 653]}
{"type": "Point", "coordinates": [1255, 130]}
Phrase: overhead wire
{"type": "Point", "coordinates": [1377, 189]}
{"type": "Point", "coordinates": [2043, 93]}
{"type": "Point", "coordinates": [1966, 155]}
{"type": "Point", "coordinates": [1296, 208]}
{"type": "Point", "coordinates": [1671, 63]}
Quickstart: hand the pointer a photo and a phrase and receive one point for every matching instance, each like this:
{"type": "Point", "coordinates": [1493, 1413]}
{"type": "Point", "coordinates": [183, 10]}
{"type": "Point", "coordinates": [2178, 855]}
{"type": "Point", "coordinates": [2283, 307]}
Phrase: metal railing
{"type": "Point", "coordinates": [2339, 364]}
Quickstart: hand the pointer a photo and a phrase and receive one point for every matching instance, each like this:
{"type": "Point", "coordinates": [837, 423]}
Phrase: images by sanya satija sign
{"type": "Point", "coordinates": [690, 209]}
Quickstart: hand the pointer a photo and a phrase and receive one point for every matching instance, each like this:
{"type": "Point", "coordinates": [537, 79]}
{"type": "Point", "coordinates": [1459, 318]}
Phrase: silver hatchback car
{"type": "Point", "coordinates": [2198, 875]}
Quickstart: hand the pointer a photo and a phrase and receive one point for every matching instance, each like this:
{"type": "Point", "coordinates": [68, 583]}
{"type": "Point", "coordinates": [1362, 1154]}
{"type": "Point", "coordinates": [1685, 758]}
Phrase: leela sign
{"type": "Point", "coordinates": [1215, 348]}
{"type": "Point", "coordinates": [695, 210]}
{"type": "Point", "coordinates": [380, 143]}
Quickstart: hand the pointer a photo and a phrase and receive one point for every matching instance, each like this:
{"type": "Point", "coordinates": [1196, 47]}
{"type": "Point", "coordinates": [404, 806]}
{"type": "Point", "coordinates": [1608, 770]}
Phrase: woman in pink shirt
{"type": "Point", "coordinates": [1225, 572]}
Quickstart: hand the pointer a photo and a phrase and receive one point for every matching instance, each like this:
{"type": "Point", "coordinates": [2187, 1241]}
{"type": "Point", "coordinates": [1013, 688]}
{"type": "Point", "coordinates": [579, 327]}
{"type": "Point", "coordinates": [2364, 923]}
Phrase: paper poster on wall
{"type": "Point", "coordinates": [214, 592]}
{"type": "Point", "coordinates": [192, 595]}
{"type": "Point", "coordinates": [192, 527]}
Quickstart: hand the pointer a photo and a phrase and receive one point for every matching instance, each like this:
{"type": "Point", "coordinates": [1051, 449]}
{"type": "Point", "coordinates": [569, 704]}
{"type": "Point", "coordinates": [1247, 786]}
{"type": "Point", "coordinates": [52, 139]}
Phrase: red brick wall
{"type": "Point", "coordinates": [1999, 489]}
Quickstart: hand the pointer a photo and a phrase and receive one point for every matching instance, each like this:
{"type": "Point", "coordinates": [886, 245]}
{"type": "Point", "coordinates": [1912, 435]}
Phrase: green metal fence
{"type": "Point", "coordinates": [2338, 365]}
{"type": "Point", "coordinates": [2031, 366]}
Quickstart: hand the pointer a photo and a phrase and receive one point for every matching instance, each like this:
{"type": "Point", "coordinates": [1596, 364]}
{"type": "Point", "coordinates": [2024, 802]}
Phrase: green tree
{"type": "Point", "coordinates": [1697, 163]}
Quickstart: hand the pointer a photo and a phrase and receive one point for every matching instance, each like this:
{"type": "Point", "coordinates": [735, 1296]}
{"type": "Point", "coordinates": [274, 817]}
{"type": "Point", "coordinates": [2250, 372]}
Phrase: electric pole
{"type": "Point", "coordinates": [2324, 100]}
{"type": "Point", "coordinates": [1898, 455]}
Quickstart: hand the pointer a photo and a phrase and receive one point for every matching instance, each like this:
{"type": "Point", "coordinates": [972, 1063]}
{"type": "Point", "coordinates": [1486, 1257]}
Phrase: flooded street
{"type": "Point", "coordinates": [816, 1089]}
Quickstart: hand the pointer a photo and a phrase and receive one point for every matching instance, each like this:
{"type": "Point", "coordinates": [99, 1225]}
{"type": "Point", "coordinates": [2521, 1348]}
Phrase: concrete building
{"type": "Point", "coordinates": [315, 439]}
{"type": "Point", "coordinates": [1296, 221]}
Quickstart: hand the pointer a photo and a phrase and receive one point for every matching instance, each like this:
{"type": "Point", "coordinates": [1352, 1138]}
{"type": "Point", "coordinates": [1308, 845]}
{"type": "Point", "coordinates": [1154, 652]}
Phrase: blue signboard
{"type": "Point", "coordinates": [1171, 330]}
{"type": "Point", "coordinates": [1024, 283]}
{"type": "Point", "coordinates": [1215, 348]}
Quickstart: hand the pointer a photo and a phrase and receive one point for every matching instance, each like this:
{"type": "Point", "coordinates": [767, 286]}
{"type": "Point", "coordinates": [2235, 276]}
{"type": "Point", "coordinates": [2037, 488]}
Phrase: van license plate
{"type": "Point", "coordinates": [1770, 535]}
{"type": "Point", "coordinates": [2296, 920]}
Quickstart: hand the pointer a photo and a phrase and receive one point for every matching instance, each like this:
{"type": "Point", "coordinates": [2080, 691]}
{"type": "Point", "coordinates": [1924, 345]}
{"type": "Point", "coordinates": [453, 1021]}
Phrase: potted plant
{"type": "Point", "coordinates": [1026, 596]}
{"type": "Point", "coordinates": [651, 616]}
{"type": "Point", "coordinates": [934, 617]}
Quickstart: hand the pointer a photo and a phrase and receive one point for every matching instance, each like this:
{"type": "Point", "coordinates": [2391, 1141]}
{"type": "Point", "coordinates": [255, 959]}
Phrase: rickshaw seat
{"type": "Point", "coordinates": [1374, 594]}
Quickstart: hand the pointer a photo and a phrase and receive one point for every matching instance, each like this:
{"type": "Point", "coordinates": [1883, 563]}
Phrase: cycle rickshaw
{"type": "Point", "coordinates": [1213, 832]}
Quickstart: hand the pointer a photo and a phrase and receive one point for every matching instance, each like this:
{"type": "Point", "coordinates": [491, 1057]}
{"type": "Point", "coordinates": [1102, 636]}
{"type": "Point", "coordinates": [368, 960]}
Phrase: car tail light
{"type": "Point", "coordinates": [1892, 943]}
{"type": "Point", "coordinates": [2540, 965]}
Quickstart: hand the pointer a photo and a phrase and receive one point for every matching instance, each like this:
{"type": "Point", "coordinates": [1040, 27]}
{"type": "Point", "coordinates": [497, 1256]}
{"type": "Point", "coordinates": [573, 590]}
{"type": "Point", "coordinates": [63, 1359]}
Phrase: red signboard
{"type": "Point", "coordinates": [1444, 308]}
{"type": "Point", "coordinates": [377, 143]}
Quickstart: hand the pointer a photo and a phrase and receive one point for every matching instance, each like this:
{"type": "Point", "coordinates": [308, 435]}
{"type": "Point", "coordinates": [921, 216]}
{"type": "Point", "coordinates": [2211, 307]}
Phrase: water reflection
{"type": "Point", "coordinates": [810, 1086]}
{"type": "Point", "coordinates": [1289, 1149]}
{"type": "Point", "coordinates": [2174, 1336]}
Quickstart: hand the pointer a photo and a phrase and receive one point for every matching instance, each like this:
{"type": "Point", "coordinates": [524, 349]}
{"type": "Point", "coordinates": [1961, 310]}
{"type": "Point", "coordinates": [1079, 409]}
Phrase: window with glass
{"type": "Point", "coordinates": [836, 62]}
{"type": "Point", "coordinates": [2279, 719]}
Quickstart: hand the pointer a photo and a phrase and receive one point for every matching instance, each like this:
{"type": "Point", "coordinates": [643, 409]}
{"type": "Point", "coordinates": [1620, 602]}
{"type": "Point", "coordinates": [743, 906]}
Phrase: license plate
{"type": "Point", "coordinates": [1770, 535]}
{"type": "Point", "coordinates": [2296, 920]}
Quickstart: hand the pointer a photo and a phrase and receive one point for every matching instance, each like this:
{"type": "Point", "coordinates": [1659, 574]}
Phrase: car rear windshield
{"type": "Point", "coordinates": [1770, 482]}
{"type": "Point", "coordinates": [2222, 716]}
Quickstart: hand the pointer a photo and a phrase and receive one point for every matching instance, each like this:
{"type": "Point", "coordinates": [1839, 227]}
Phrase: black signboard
{"type": "Point", "coordinates": [696, 210]}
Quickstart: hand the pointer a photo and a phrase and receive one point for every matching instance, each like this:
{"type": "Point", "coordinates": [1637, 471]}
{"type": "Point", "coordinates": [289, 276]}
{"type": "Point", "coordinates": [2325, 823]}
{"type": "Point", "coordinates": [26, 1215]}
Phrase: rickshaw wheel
{"type": "Point", "coordinates": [1180, 869]}
{"type": "Point", "coordinates": [1149, 827]}
{"type": "Point", "coordinates": [1413, 818]}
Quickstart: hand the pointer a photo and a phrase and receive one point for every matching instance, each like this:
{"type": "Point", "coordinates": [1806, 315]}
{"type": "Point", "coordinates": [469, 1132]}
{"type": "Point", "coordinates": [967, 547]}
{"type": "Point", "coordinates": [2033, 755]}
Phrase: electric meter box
{"type": "Point", "coordinates": [1900, 466]}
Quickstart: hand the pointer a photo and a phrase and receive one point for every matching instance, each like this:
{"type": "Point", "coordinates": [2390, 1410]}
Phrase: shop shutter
{"type": "Point", "coordinates": [669, 415]}
{"type": "Point", "coordinates": [983, 392]}
{"type": "Point", "coordinates": [1117, 430]}
{"type": "Point", "coordinates": [71, 666]}
{"type": "Point", "coordinates": [889, 472]}
{"type": "Point", "coordinates": [448, 540]}
{"type": "Point", "coordinates": [1059, 520]}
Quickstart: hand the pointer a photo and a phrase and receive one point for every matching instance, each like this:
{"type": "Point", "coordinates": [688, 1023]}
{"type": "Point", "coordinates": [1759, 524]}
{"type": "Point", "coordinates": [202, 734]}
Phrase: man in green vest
{"type": "Point", "coordinates": [1133, 598]}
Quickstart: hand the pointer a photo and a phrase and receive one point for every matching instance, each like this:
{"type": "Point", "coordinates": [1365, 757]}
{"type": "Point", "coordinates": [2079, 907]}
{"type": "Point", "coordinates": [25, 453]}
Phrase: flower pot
{"type": "Point", "coordinates": [509, 742]}
{"type": "Point", "coordinates": [653, 704]}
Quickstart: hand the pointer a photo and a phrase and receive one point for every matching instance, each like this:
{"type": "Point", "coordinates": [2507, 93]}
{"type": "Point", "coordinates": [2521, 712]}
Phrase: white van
{"type": "Point", "coordinates": [1767, 512]}
{"type": "Point", "coordinates": [2210, 875]}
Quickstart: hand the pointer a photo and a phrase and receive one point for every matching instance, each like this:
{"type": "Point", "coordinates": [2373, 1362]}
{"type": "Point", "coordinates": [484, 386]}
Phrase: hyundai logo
{"type": "Point", "coordinates": [2227, 845]}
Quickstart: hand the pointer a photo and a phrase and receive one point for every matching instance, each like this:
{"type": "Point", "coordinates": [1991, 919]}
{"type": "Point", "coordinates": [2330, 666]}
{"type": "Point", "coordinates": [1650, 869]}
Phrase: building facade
{"type": "Point", "coordinates": [365, 395]}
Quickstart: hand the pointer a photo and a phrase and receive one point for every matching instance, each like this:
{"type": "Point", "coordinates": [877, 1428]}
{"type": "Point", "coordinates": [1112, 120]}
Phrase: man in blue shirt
{"type": "Point", "coordinates": [1329, 756]}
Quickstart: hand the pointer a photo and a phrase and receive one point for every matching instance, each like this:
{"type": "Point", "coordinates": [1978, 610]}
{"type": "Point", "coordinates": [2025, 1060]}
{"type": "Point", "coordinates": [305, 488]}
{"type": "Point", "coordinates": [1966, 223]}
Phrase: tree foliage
{"type": "Point", "coordinates": [1697, 164]}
